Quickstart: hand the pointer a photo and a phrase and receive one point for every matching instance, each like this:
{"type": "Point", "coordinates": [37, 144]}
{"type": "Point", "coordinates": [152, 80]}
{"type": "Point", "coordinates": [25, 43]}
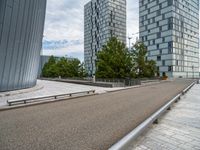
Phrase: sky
{"type": "Point", "coordinates": [64, 27]}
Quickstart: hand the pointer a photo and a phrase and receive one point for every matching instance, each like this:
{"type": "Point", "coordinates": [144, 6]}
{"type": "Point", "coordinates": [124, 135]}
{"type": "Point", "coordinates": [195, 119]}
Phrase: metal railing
{"type": "Point", "coordinates": [122, 82]}
{"type": "Point", "coordinates": [25, 100]}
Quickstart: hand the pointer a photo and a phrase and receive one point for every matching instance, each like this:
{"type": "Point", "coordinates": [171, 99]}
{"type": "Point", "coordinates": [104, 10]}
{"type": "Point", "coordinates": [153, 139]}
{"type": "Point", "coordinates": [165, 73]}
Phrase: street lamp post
{"type": "Point", "coordinates": [193, 71]}
{"type": "Point", "coordinates": [129, 39]}
{"type": "Point", "coordinates": [135, 34]}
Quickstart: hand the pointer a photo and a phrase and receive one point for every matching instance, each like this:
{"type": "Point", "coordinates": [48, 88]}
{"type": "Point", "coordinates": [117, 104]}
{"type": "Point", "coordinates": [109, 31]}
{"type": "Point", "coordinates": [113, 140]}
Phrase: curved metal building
{"type": "Point", "coordinates": [21, 33]}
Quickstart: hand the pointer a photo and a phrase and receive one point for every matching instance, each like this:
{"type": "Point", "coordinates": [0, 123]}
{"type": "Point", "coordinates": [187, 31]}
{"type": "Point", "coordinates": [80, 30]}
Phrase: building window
{"type": "Point", "coordinates": [163, 62]}
{"type": "Point", "coordinates": [153, 20]}
{"type": "Point", "coordinates": [163, 16]}
{"type": "Point", "coordinates": [157, 46]}
{"type": "Point", "coordinates": [149, 53]}
{"type": "Point", "coordinates": [158, 13]}
{"type": "Point", "coordinates": [158, 68]}
{"type": "Point", "coordinates": [158, 35]}
{"type": "Point", "coordinates": [170, 26]}
{"type": "Point", "coordinates": [158, 24]}
{"type": "Point", "coordinates": [177, 62]}
{"type": "Point", "coordinates": [170, 47]}
{"type": "Point", "coordinates": [170, 2]}
{"type": "Point", "coordinates": [158, 58]}
{"type": "Point", "coordinates": [170, 23]}
{"type": "Point", "coordinates": [170, 68]}
{"type": "Point", "coordinates": [160, 29]}
{"type": "Point", "coordinates": [163, 39]}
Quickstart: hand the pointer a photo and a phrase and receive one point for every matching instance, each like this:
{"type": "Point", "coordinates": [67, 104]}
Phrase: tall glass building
{"type": "Point", "coordinates": [103, 19]}
{"type": "Point", "coordinates": [170, 30]}
{"type": "Point", "coordinates": [21, 33]}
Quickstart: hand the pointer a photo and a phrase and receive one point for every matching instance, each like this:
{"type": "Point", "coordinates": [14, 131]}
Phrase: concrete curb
{"type": "Point", "coordinates": [23, 91]}
{"type": "Point", "coordinates": [134, 134]}
{"type": "Point", "coordinates": [137, 86]}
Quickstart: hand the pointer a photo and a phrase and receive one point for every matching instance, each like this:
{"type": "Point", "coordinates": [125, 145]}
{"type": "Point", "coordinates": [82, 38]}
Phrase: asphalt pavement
{"type": "Point", "coordinates": [88, 123]}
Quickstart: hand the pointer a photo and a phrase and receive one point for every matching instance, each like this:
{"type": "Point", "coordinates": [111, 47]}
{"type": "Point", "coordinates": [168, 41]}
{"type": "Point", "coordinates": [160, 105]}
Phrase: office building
{"type": "Point", "coordinates": [170, 30]}
{"type": "Point", "coordinates": [103, 19]}
{"type": "Point", "coordinates": [21, 33]}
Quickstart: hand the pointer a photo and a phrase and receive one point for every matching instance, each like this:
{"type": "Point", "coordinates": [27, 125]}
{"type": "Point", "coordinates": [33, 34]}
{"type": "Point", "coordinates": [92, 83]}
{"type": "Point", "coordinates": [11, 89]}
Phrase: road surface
{"type": "Point", "coordinates": [89, 123]}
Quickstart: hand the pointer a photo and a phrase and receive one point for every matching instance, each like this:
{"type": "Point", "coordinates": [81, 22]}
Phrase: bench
{"type": "Point", "coordinates": [26, 100]}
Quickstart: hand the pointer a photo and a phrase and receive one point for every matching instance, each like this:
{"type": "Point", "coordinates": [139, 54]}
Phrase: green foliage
{"type": "Point", "coordinates": [143, 67]}
{"type": "Point", "coordinates": [82, 71]}
{"type": "Point", "coordinates": [114, 61]}
{"type": "Point", "coordinates": [50, 69]}
{"type": "Point", "coordinates": [63, 67]}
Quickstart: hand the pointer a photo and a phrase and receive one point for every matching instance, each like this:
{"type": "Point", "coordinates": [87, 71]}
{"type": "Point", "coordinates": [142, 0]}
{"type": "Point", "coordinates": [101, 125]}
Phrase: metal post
{"type": "Point", "coordinates": [129, 38]}
{"type": "Point", "coordinates": [193, 72]}
{"type": "Point", "coordinates": [94, 79]}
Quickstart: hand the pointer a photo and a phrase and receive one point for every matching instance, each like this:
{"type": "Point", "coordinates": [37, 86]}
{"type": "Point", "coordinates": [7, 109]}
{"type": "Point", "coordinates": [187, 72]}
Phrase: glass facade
{"type": "Point", "coordinates": [102, 20]}
{"type": "Point", "coordinates": [21, 32]}
{"type": "Point", "coordinates": [170, 30]}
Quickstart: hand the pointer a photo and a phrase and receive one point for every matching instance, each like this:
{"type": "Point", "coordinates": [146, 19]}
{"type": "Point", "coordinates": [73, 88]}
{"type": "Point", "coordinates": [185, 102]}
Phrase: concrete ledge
{"type": "Point", "coordinates": [16, 92]}
{"type": "Point", "coordinates": [108, 85]}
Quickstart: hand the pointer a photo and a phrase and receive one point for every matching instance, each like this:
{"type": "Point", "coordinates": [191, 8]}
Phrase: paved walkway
{"type": "Point", "coordinates": [49, 88]}
{"type": "Point", "coordinates": [179, 129]}
{"type": "Point", "coordinates": [87, 123]}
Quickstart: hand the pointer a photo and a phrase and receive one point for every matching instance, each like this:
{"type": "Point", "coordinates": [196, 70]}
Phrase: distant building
{"type": "Point", "coordinates": [170, 30]}
{"type": "Point", "coordinates": [103, 19]}
{"type": "Point", "coordinates": [21, 33]}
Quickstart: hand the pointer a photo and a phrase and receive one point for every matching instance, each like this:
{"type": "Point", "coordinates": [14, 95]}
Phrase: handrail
{"type": "Point", "coordinates": [25, 100]}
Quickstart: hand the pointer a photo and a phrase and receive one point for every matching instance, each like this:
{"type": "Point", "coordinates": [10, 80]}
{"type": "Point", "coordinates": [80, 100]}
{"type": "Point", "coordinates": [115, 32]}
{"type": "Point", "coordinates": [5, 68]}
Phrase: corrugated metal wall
{"type": "Point", "coordinates": [21, 32]}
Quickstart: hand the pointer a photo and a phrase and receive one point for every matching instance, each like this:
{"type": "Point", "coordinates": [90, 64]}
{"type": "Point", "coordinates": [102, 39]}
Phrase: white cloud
{"type": "Point", "coordinates": [65, 21]}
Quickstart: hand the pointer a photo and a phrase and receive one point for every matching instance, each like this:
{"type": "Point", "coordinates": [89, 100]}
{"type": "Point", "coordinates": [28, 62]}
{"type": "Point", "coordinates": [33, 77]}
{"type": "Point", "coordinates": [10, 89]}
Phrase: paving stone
{"type": "Point", "coordinates": [197, 147]}
{"type": "Point", "coordinates": [179, 129]}
{"type": "Point", "coordinates": [186, 146]}
{"type": "Point", "coordinates": [195, 143]}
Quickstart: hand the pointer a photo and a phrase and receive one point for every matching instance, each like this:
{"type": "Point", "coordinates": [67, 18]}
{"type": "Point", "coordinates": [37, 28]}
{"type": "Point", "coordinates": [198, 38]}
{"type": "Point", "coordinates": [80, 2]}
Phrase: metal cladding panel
{"type": "Point", "coordinates": [21, 32]}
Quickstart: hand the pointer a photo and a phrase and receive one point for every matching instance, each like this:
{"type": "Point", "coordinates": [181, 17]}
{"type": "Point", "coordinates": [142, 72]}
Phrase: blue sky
{"type": "Point", "coordinates": [63, 34]}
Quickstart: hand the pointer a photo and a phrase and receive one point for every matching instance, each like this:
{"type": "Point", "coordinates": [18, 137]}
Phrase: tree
{"type": "Point", "coordinates": [74, 65]}
{"type": "Point", "coordinates": [143, 67]}
{"type": "Point", "coordinates": [82, 71]}
{"type": "Point", "coordinates": [114, 60]}
{"type": "Point", "coordinates": [50, 68]}
{"type": "Point", "coordinates": [151, 69]}
{"type": "Point", "coordinates": [63, 67]}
